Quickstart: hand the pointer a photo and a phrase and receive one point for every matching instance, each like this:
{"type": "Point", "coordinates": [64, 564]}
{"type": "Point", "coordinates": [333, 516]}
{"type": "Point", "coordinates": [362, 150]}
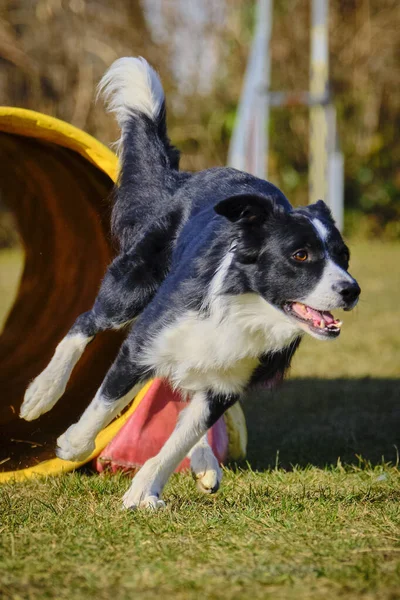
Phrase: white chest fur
{"type": "Point", "coordinates": [220, 351]}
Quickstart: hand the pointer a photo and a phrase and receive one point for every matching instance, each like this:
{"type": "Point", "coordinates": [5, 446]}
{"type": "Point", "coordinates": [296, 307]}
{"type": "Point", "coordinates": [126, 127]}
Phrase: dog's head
{"type": "Point", "coordinates": [297, 261]}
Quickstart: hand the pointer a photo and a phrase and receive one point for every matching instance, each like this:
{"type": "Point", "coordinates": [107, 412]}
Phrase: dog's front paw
{"type": "Point", "coordinates": [145, 489]}
{"type": "Point", "coordinates": [41, 396]}
{"type": "Point", "coordinates": [152, 502]}
{"type": "Point", "coordinates": [73, 446]}
{"type": "Point", "coordinates": [206, 470]}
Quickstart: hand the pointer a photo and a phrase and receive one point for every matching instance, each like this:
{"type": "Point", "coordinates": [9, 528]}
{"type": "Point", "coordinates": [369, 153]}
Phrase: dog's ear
{"type": "Point", "coordinates": [245, 209]}
{"type": "Point", "coordinates": [321, 209]}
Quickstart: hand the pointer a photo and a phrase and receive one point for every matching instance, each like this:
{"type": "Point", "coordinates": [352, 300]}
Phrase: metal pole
{"type": "Point", "coordinates": [264, 14]}
{"type": "Point", "coordinates": [249, 144]}
{"type": "Point", "coordinates": [318, 174]}
{"type": "Point", "coordinates": [335, 170]}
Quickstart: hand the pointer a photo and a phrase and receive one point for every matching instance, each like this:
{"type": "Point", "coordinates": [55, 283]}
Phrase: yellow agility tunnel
{"type": "Point", "coordinates": [57, 180]}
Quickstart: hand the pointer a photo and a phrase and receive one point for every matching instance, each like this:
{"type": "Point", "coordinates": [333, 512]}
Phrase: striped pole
{"type": "Point", "coordinates": [248, 149]}
{"type": "Point", "coordinates": [318, 173]}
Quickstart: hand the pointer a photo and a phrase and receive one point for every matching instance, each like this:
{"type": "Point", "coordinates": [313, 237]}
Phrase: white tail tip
{"type": "Point", "coordinates": [131, 84]}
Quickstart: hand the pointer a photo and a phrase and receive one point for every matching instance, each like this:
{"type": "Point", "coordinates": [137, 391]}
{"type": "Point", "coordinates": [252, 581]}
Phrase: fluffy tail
{"type": "Point", "coordinates": [132, 85]}
{"type": "Point", "coordinates": [133, 92]}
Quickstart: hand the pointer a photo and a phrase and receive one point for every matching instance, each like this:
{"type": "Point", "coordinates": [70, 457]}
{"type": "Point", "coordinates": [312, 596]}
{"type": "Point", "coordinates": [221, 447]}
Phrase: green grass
{"type": "Point", "coordinates": [326, 528]}
{"type": "Point", "coordinates": [303, 534]}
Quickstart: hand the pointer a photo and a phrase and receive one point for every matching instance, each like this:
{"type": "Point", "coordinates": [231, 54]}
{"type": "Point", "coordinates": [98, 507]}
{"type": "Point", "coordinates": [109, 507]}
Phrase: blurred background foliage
{"type": "Point", "coordinates": [53, 53]}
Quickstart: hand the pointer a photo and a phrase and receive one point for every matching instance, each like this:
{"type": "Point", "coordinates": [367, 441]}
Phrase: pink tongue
{"type": "Point", "coordinates": [316, 315]}
{"type": "Point", "coordinates": [328, 318]}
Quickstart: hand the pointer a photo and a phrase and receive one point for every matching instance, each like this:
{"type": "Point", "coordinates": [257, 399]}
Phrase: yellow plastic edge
{"type": "Point", "coordinates": [55, 466]}
{"type": "Point", "coordinates": [28, 123]}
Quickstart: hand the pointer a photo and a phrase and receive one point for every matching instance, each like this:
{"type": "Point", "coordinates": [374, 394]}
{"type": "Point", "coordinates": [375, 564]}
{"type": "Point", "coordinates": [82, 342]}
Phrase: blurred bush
{"type": "Point", "coordinates": [53, 53]}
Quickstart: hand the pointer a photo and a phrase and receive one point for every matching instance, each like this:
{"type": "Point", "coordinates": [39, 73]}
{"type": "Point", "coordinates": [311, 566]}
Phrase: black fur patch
{"type": "Point", "coordinates": [218, 404]}
{"type": "Point", "coordinates": [273, 366]}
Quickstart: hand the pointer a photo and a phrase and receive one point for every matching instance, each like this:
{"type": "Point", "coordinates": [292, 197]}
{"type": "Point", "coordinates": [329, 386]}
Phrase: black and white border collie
{"type": "Point", "coordinates": [221, 275]}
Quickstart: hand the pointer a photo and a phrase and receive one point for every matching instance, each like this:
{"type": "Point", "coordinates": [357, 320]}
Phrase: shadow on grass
{"type": "Point", "coordinates": [317, 421]}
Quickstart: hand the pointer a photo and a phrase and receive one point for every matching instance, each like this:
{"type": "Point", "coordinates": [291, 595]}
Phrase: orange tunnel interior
{"type": "Point", "coordinates": [54, 179]}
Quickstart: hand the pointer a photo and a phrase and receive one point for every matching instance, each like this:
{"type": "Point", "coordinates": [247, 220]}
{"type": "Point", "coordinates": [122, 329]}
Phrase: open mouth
{"type": "Point", "coordinates": [319, 322]}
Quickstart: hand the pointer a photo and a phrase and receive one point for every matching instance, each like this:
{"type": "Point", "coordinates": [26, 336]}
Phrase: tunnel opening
{"type": "Point", "coordinates": [61, 205]}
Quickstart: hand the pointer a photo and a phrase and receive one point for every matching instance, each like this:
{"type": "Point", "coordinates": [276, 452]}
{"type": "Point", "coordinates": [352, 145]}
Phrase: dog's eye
{"type": "Point", "coordinates": [300, 255]}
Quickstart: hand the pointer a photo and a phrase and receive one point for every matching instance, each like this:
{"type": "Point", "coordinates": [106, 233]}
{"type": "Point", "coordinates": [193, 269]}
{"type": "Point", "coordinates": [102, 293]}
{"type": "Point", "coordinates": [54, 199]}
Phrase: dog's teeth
{"type": "Point", "coordinates": [338, 323]}
{"type": "Point", "coordinates": [322, 324]}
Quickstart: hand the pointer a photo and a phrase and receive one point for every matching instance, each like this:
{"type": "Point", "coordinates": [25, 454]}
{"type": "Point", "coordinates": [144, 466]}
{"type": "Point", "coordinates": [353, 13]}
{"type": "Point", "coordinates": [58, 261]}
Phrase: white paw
{"type": "Point", "coordinates": [152, 502]}
{"type": "Point", "coordinates": [205, 469]}
{"type": "Point", "coordinates": [72, 446]}
{"type": "Point", "coordinates": [41, 396]}
{"type": "Point", "coordinates": [145, 489]}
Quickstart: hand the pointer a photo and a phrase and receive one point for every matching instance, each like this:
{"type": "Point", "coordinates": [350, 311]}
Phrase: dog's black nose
{"type": "Point", "coordinates": [348, 290]}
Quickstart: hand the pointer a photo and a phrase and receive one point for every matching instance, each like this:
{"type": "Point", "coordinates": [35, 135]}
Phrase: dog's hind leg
{"type": "Point", "coordinates": [48, 387]}
{"type": "Point", "coordinates": [120, 385]}
{"type": "Point", "coordinates": [203, 411]}
{"type": "Point", "coordinates": [125, 291]}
